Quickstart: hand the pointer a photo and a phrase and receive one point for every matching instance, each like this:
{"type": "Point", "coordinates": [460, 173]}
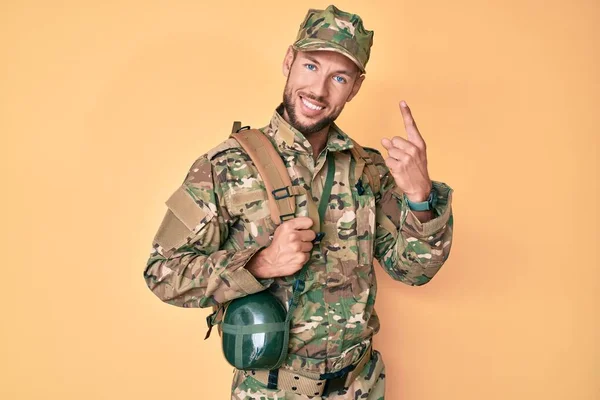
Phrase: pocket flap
{"type": "Point", "coordinates": [185, 208]}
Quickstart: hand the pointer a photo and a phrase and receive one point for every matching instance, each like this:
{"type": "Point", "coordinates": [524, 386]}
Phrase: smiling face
{"type": "Point", "coordinates": [319, 84]}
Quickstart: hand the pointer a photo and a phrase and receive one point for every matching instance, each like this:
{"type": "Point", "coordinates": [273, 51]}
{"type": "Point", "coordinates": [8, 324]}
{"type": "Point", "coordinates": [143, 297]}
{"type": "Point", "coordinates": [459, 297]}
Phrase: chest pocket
{"type": "Point", "coordinates": [364, 204]}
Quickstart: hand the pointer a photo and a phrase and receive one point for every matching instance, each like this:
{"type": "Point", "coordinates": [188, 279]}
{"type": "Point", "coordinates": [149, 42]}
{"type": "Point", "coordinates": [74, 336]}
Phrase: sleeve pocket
{"type": "Point", "coordinates": [184, 219]}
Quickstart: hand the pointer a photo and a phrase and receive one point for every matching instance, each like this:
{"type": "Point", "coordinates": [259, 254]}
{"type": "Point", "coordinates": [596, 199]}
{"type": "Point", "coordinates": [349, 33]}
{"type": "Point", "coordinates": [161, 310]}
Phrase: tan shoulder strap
{"type": "Point", "coordinates": [272, 170]}
{"type": "Point", "coordinates": [280, 191]}
{"type": "Point", "coordinates": [363, 160]}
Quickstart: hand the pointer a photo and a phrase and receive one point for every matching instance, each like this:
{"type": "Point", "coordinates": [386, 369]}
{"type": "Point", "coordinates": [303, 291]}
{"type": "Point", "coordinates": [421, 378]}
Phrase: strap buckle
{"type": "Point", "coordinates": [299, 285]}
{"type": "Point", "coordinates": [343, 378]}
{"type": "Point", "coordinates": [359, 187]}
{"type": "Point", "coordinates": [334, 385]}
{"type": "Point", "coordinates": [286, 194]}
{"type": "Point", "coordinates": [339, 374]}
{"type": "Point", "coordinates": [286, 217]}
{"type": "Point", "coordinates": [336, 381]}
{"type": "Point", "coordinates": [273, 378]}
{"type": "Point", "coordinates": [318, 238]}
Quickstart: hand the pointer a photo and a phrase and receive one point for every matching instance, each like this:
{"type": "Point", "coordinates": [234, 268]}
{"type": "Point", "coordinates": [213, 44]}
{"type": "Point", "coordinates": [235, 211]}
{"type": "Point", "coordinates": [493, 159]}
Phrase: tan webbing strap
{"type": "Point", "coordinates": [218, 310]}
{"type": "Point", "coordinates": [273, 172]}
{"type": "Point", "coordinates": [291, 382]}
{"type": "Point", "coordinates": [275, 177]}
{"type": "Point", "coordinates": [310, 386]}
{"type": "Point", "coordinates": [372, 173]}
{"type": "Point", "coordinates": [313, 211]}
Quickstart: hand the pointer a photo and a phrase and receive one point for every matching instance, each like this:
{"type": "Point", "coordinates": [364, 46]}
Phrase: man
{"type": "Point", "coordinates": [230, 247]}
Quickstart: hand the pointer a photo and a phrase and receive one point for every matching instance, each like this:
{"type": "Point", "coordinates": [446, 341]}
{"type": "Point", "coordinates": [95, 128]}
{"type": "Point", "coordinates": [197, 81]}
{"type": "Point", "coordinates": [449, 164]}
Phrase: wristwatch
{"type": "Point", "coordinates": [426, 205]}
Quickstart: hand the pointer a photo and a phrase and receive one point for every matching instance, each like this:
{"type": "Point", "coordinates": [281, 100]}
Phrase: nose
{"type": "Point", "coordinates": [319, 87]}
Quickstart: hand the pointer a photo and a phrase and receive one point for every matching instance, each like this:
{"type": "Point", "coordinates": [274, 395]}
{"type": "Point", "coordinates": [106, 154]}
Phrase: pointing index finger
{"type": "Point", "coordinates": [410, 125]}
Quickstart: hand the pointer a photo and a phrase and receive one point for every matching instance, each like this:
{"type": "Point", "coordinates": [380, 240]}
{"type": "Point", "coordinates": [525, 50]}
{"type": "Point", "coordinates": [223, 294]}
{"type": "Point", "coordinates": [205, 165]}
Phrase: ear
{"type": "Point", "coordinates": [288, 60]}
{"type": "Point", "coordinates": [355, 88]}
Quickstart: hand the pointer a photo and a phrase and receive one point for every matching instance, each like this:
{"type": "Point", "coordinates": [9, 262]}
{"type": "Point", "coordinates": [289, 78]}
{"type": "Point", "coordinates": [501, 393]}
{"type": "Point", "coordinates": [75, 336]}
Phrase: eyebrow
{"type": "Point", "coordinates": [340, 71]}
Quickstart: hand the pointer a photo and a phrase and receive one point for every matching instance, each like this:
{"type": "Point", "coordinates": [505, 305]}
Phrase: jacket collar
{"type": "Point", "coordinates": [289, 138]}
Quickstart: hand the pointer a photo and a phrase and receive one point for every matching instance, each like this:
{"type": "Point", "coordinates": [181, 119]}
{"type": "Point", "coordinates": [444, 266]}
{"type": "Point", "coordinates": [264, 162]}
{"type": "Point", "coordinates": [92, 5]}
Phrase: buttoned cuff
{"type": "Point", "coordinates": [242, 280]}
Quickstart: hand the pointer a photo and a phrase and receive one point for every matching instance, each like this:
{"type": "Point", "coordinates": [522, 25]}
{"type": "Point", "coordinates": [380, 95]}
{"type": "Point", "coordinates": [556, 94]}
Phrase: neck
{"type": "Point", "coordinates": [317, 140]}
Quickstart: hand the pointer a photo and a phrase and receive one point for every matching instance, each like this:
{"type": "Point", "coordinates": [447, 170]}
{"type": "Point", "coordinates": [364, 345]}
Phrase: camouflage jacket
{"type": "Point", "coordinates": [219, 218]}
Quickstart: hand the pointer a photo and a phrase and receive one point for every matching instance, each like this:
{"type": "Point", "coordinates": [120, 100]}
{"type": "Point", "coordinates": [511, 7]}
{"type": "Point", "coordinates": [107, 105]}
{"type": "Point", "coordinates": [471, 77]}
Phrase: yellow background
{"type": "Point", "coordinates": [104, 106]}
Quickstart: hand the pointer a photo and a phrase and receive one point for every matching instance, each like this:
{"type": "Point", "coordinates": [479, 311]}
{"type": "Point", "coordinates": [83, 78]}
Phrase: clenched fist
{"type": "Point", "coordinates": [287, 253]}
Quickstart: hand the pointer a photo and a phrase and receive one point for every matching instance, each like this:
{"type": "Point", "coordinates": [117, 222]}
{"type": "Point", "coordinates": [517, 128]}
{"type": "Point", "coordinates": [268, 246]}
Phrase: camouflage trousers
{"type": "Point", "coordinates": [369, 385]}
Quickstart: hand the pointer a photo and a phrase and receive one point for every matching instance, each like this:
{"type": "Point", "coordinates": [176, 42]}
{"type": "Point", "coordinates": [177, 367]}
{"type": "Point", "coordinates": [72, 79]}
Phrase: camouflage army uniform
{"type": "Point", "coordinates": [335, 318]}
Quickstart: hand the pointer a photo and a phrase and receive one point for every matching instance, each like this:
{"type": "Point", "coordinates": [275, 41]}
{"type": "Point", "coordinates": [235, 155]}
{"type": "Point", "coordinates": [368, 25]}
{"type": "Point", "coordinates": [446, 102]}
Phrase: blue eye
{"type": "Point", "coordinates": [311, 67]}
{"type": "Point", "coordinates": [339, 79]}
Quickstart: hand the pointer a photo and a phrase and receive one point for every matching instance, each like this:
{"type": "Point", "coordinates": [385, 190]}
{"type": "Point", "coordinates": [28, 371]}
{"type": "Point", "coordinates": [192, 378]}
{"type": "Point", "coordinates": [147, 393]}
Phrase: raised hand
{"type": "Point", "coordinates": [407, 159]}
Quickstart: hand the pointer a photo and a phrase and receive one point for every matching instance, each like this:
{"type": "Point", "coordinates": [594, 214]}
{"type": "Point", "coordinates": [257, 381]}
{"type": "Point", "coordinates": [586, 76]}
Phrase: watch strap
{"type": "Point", "coordinates": [426, 205]}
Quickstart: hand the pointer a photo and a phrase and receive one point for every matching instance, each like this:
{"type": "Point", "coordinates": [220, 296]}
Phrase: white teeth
{"type": "Point", "coordinates": [311, 105]}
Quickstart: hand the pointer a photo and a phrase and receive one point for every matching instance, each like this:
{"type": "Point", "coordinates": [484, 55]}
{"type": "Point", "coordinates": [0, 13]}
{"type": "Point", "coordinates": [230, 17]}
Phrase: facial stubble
{"type": "Point", "coordinates": [290, 108]}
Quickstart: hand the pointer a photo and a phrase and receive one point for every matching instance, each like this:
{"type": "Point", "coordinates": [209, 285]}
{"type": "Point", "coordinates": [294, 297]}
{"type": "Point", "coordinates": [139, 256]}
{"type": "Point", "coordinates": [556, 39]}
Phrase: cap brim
{"type": "Point", "coordinates": [323, 45]}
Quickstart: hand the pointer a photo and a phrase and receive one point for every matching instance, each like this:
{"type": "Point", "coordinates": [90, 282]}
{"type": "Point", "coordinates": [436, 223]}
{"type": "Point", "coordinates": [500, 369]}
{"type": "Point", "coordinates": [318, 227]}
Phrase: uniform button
{"type": "Point", "coordinates": [296, 377]}
{"type": "Point", "coordinates": [294, 388]}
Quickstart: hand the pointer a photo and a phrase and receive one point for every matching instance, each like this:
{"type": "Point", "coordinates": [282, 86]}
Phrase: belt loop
{"type": "Point", "coordinates": [273, 378]}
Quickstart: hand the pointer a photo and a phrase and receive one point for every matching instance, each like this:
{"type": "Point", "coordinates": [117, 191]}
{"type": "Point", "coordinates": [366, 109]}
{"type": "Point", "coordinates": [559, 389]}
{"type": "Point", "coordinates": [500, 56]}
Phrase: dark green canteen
{"type": "Point", "coordinates": [255, 331]}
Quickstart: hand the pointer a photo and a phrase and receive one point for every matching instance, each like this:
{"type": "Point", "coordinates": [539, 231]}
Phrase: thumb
{"type": "Point", "coordinates": [299, 223]}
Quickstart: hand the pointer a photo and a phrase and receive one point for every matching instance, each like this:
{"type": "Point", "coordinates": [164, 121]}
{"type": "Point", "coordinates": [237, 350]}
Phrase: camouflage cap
{"type": "Point", "coordinates": [335, 30]}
